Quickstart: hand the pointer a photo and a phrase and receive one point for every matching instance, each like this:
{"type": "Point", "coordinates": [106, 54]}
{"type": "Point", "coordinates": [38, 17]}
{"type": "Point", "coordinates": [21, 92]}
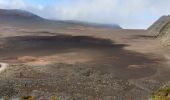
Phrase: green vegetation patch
{"type": "Point", "coordinates": [27, 98]}
{"type": "Point", "coordinates": [162, 94]}
{"type": "Point", "coordinates": [55, 98]}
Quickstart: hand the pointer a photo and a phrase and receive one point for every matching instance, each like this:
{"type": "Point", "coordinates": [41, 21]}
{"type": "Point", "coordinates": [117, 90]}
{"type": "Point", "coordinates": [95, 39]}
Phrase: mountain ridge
{"type": "Point", "coordinates": [17, 16]}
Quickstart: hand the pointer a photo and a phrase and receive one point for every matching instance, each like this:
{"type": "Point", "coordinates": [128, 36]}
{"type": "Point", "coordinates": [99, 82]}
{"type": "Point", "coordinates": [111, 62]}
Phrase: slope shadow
{"type": "Point", "coordinates": [53, 44]}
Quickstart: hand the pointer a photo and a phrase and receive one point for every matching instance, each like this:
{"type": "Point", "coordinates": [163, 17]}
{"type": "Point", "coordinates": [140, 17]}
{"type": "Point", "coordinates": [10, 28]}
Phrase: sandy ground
{"type": "Point", "coordinates": [82, 63]}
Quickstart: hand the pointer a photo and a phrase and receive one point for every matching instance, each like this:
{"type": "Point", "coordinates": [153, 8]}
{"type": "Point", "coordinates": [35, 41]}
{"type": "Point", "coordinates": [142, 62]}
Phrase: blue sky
{"type": "Point", "coordinates": [42, 2]}
{"type": "Point", "coordinates": [127, 13]}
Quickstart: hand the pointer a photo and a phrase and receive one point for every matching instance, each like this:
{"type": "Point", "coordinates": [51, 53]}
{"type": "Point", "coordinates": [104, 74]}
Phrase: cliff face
{"type": "Point", "coordinates": [161, 30]}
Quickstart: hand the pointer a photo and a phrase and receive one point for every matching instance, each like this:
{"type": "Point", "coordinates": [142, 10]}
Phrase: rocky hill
{"type": "Point", "coordinates": [161, 30]}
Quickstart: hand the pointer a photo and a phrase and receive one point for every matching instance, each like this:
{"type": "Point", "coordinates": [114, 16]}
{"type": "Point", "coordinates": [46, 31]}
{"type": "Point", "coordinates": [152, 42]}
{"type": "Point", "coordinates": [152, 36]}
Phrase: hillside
{"type": "Point", "coordinates": [21, 18]}
{"type": "Point", "coordinates": [155, 28]}
{"type": "Point", "coordinates": [16, 14]}
{"type": "Point", "coordinates": [161, 30]}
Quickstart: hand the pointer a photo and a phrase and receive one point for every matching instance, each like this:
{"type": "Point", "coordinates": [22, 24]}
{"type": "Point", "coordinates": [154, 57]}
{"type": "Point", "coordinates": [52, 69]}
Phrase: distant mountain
{"type": "Point", "coordinates": [21, 18]}
{"type": "Point", "coordinates": [116, 26]}
{"type": "Point", "coordinates": [18, 18]}
{"type": "Point", "coordinates": [161, 30]}
{"type": "Point", "coordinates": [17, 14]}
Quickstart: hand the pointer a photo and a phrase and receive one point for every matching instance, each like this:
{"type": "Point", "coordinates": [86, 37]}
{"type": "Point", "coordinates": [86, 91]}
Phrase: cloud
{"type": "Point", "coordinates": [94, 10]}
{"type": "Point", "coordinates": [127, 13]}
{"type": "Point", "coordinates": [12, 4]}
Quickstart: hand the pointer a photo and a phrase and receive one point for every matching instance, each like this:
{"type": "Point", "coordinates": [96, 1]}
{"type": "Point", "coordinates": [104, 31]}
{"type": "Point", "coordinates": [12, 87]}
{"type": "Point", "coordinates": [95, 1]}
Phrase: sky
{"type": "Point", "coordinates": [131, 14]}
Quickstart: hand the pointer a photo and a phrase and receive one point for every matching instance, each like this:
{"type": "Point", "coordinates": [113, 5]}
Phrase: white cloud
{"type": "Point", "coordinates": [84, 9]}
{"type": "Point", "coordinates": [12, 4]}
{"type": "Point", "coordinates": [127, 13]}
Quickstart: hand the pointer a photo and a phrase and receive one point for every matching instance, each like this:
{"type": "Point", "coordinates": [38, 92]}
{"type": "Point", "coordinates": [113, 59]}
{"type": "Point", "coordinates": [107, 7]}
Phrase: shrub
{"type": "Point", "coordinates": [162, 94]}
{"type": "Point", "coordinates": [27, 98]}
{"type": "Point", "coordinates": [55, 98]}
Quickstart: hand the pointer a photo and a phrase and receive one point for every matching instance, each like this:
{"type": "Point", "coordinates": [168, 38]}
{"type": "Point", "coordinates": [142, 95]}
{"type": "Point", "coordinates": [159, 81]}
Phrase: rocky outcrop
{"type": "Point", "coordinates": [156, 27]}
{"type": "Point", "coordinates": [161, 30]}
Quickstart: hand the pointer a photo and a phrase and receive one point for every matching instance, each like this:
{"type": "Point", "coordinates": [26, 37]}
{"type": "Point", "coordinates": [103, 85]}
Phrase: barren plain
{"type": "Point", "coordinates": [81, 63]}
